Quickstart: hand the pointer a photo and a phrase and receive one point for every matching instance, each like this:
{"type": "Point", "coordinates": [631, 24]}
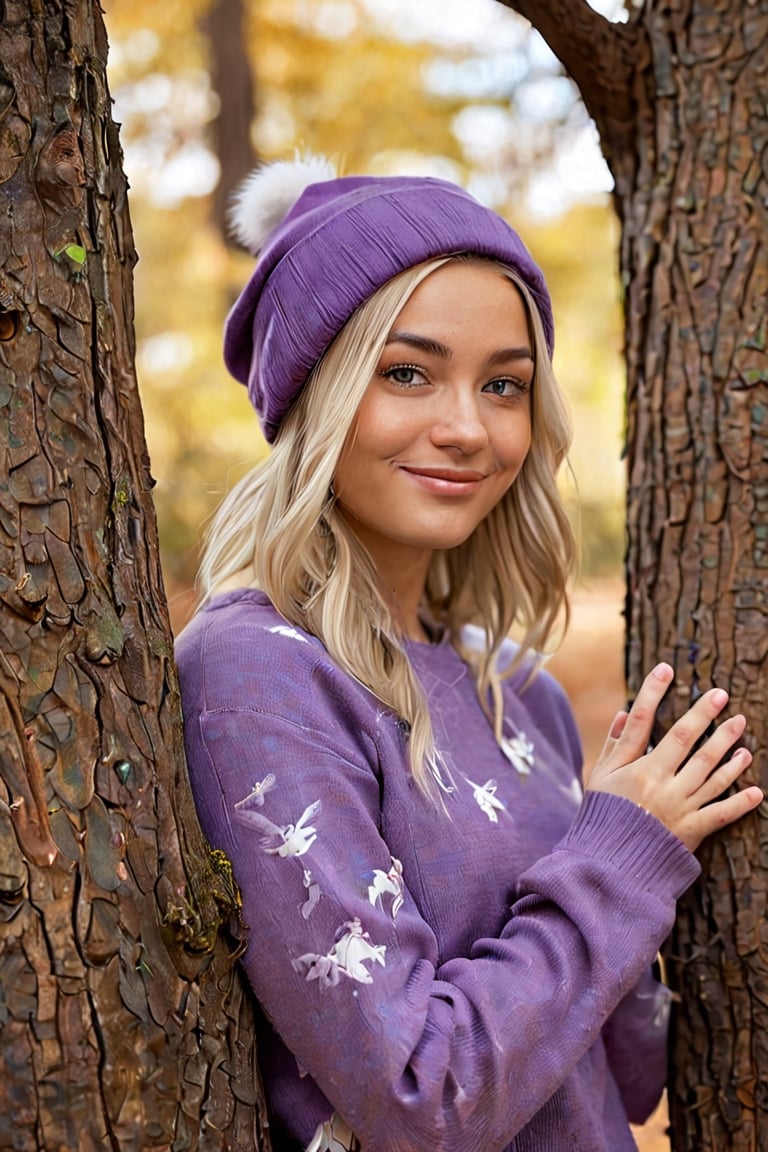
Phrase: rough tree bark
{"type": "Point", "coordinates": [123, 1019]}
{"type": "Point", "coordinates": [678, 95]}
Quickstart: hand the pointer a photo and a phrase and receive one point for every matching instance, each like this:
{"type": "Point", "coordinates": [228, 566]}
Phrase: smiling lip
{"type": "Point", "coordinates": [446, 481]}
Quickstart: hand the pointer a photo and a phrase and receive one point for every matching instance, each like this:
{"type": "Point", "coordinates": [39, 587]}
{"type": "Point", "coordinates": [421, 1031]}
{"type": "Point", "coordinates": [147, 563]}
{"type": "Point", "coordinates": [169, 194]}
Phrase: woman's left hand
{"type": "Point", "coordinates": [682, 780]}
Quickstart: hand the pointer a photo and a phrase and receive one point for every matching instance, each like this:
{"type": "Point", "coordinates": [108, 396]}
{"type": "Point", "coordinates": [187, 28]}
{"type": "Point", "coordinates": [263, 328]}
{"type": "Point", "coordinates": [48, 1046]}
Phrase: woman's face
{"type": "Point", "coordinates": [445, 424]}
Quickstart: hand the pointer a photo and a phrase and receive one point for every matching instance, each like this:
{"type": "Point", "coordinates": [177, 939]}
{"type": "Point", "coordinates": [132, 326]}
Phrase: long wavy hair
{"type": "Point", "coordinates": [279, 529]}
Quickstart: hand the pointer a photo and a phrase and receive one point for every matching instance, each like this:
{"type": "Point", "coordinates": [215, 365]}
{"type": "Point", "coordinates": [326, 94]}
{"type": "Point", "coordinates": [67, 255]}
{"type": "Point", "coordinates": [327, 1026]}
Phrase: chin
{"type": "Point", "coordinates": [444, 542]}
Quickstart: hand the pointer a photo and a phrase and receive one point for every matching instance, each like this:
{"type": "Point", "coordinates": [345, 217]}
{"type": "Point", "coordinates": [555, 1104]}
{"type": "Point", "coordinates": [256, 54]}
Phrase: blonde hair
{"type": "Point", "coordinates": [281, 523]}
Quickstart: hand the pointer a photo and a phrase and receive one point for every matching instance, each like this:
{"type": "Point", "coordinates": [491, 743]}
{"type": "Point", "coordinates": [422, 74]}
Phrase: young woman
{"type": "Point", "coordinates": [451, 943]}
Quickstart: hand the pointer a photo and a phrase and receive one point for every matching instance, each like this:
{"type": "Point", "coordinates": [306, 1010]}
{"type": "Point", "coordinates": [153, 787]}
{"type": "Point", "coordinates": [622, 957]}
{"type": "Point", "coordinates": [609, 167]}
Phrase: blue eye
{"type": "Point", "coordinates": [507, 387]}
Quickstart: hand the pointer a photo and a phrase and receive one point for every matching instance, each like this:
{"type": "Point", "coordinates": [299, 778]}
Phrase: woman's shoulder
{"type": "Point", "coordinates": [238, 637]}
{"type": "Point", "coordinates": [239, 653]}
{"type": "Point", "coordinates": [530, 679]}
{"type": "Point", "coordinates": [531, 687]}
{"type": "Point", "coordinates": [235, 619]}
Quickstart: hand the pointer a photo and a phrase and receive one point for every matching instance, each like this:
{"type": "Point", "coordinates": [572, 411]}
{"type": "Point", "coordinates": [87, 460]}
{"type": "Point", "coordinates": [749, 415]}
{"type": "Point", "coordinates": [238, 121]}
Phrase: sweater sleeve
{"type": "Point", "coordinates": [635, 1034]}
{"type": "Point", "coordinates": [635, 1039]}
{"type": "Point", "coordinates": [457, 1055]}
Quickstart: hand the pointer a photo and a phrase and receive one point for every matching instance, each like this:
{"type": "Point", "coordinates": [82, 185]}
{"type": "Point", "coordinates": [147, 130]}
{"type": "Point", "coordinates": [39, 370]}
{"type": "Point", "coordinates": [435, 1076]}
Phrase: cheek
{"type": "Point", "coordinates": [381, 415]}
{"type": "Point", "coordinates": [379, 434]}
{"type": "Point", "coordinates": [525, 447]}
{"type": "Point", "coordinates": [513, 450]}
{"type": "Point", "coordinates": [353, 471]}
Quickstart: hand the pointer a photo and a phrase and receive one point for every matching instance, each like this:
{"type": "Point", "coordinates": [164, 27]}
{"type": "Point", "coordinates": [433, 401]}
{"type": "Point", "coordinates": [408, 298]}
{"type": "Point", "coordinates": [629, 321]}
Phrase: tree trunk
{"type": "Point", "coordinates": [232, 81]}
{"type": "Point", "coordinates": [124, 1022]}
{"type": "Point", "coordinates": [679, 100]}
{"type": "Point", "coordinates": [694, 257]}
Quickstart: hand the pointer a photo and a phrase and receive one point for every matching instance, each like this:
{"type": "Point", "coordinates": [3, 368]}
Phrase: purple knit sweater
{"type": "Point", "coordinates": [469, 980]}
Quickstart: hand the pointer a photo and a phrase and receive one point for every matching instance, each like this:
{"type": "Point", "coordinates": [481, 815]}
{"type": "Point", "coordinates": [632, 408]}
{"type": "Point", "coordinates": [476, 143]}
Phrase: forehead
{"type": "Point", "coordinates": [466, 297]}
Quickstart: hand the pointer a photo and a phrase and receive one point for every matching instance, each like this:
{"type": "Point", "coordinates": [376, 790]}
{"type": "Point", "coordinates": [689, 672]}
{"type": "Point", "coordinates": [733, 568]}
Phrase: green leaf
{"type": "Point", "coordinates": [76, 253]}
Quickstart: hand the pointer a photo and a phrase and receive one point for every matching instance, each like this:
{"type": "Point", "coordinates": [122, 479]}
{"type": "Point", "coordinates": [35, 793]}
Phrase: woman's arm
{"type": "Point", "coordinates": [635, 1038]}
{"type": "Point", "coordinates": [411, 1052]}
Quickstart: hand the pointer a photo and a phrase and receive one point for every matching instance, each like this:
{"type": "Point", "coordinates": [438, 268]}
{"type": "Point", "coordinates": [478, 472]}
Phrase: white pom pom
{"type": "Point", "coordinates": [265, 197]}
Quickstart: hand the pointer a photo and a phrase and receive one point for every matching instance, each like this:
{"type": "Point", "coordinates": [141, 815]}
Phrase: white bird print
{"type": "Point", "coordinates": [390, 883]}
{"type": "Point", "coordinates": [485, 795]}
{"type": "Point", "coordinates": [286, 840]}
{"type": "Point", "coordinates": [334, 1135]}
{"type": "Point", "coordinates": [351, 951]}
{"type": "Point", "coordinates": [519, 751]}
{"type": "Point", "coordinates": [257, 793]}
{"type": "Point", "coordinates": [313, 895]}
{"type": "Point", "coordinates": [285, 630]}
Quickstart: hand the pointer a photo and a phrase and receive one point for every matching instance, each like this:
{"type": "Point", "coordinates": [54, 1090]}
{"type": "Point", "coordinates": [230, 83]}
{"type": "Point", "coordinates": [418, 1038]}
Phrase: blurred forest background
{"type": "Point", "coordinates": [461, 89]}
{"type": "Point", "coordinates": [454, 88]}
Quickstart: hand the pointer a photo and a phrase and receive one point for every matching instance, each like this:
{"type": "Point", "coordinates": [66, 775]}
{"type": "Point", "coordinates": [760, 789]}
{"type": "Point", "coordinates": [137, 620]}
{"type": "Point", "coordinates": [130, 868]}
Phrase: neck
{"type": "Point", "coordinates": [403, 590]}
{"type": "Point", "coordinates": [402, 576]}
{"type": "Point", "coordinates": [408, 622]}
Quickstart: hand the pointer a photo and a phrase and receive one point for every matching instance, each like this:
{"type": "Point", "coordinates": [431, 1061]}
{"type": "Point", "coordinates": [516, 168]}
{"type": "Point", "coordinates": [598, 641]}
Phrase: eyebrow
{"type": "Point", "coordinates": [435, 348]}
{"type": "Point", "coordinates": [423, 343]}
{"type": "Point", "coordinates": [504, 354]}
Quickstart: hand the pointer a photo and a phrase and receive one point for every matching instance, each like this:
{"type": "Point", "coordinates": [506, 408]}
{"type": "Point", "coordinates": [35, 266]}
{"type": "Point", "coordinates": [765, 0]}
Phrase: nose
{"type": "Point", "coordinates": [459, 423]}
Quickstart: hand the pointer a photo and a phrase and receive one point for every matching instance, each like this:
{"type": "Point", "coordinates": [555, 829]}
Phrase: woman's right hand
{"type": "Point", "coordinates": [678, 788]}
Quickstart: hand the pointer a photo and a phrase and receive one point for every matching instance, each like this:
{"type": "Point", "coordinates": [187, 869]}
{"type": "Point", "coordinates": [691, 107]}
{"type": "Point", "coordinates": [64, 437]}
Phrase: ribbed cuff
{"type": "Point", "coordinates": [616, 829]}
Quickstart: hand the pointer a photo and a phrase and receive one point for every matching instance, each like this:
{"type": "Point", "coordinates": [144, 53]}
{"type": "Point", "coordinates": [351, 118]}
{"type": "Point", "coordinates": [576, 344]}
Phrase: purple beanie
{"type": "Point", "coordinates": [341, 240]}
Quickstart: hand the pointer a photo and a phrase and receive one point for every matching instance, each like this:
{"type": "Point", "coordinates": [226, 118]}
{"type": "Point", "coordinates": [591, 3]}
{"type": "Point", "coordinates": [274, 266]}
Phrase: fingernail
{"type": "Point", "coordinates": [662, 671]}
{"type": "Point", "coordinates": [618, 725]}
{"type": "Point", "coordinates": [719, 697]}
